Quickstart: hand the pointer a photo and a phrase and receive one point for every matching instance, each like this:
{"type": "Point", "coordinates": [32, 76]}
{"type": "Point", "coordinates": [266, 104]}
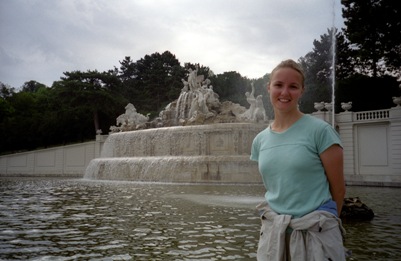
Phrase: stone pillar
{"type": "Point", "coordinates": [395, 142]}
{"type": "Point", "coordinates": [346, 127]}
{"type": "Point", "coordinates": [320, 115]}
{"type": "Point", "coordinates": [100, 139]}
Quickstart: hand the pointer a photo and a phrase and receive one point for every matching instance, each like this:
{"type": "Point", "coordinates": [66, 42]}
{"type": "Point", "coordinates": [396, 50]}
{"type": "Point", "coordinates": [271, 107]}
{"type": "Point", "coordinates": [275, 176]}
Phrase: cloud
{"type": "Point", "coordinates": [41, 39]}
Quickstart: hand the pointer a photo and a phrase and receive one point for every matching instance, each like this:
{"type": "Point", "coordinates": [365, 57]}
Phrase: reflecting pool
{"type": "Point", "coordinates": [77, 219]}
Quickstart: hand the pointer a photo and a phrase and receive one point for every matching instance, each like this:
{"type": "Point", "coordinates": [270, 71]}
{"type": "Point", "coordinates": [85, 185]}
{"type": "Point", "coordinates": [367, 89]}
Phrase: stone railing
{"type": "Point", "coordinates": [372, 115]}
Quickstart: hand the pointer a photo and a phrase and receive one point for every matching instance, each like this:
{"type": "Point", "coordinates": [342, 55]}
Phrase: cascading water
{"type": "Point", "coordinates": [202, 153]}
{"type": "Point", "coordinates": [183, 105]}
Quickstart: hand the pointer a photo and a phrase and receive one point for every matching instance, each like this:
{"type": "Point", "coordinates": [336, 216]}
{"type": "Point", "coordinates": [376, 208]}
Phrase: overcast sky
{"type": "Point", "coordinates": [41, 39]}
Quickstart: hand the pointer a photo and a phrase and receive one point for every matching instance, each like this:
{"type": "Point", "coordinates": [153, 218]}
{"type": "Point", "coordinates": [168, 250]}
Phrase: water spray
{"type": "Point", "coordinates": [333, 65]}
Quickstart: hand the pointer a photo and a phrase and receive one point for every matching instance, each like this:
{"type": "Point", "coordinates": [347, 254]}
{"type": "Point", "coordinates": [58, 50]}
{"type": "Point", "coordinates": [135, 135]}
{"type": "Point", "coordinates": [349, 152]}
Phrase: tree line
{"type": "Point", "coordinates": [367, 65]}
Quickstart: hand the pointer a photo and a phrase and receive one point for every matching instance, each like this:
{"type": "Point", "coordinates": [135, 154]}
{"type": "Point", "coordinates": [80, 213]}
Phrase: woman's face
{"type": "Point", "coordinates": [285, 89]}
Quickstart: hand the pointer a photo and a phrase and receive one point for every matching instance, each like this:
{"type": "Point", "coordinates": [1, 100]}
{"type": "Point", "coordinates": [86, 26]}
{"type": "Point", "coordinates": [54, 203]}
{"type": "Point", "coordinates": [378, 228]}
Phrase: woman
{"type": "Point", "coordinates": [300, 159]}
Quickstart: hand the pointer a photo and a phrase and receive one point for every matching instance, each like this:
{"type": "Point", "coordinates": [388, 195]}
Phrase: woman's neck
{"type": "Point", "coordinates": [284, 121]}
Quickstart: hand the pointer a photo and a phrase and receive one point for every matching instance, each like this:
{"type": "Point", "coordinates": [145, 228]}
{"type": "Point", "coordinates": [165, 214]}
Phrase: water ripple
{"type": "Point", "coordinates": [56, 219]}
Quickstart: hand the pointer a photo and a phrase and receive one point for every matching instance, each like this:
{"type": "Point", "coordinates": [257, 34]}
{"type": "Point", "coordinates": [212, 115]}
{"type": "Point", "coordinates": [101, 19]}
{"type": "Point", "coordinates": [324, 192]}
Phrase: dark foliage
{"type": "Point", "coordinates": [373, 28]}
{"type": "Point", "coordinates": [367, 93]}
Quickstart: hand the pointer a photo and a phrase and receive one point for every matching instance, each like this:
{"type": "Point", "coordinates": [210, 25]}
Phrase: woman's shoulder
{"type": "Point", "coordinates": [315, 122]}
{"type": "Point", "coordinates": [262, 134]}
{"type": "Point", "coordinates": [320, 129]}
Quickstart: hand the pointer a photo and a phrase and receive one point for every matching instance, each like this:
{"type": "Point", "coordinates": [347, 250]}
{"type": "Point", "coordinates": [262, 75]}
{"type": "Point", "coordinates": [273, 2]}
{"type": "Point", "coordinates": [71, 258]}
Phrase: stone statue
{"type": "Point", "coordinates": [192, 79]}
{"type": "Point", "coordinates": [130, 120]}
{"type": "Point", "coordinates": [250, 98]}
{"type": "Point", "coordinates": [259, 114]}
{"type": "Point", "coordinates": [197, 104]}
{"type": "Point", "coordinates": [212, 98]}
{"type": "Point", "coordinates": [256, 111]}
{"type": "Point", "coordinates": [186, 84]}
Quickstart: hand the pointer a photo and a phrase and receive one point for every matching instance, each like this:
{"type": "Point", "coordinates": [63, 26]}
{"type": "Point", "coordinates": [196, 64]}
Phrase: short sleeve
{"type": "Point", "coordinates": [326, 138]}
{"type": "Point", "coordinates": [255, 149]}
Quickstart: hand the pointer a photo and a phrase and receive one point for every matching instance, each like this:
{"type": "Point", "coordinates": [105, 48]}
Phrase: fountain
{"type": "Point", "coordinates": [196, 138]}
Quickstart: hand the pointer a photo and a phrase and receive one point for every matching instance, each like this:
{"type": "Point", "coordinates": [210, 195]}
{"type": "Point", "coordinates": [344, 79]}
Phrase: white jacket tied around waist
{"type": "Point", "coordinates": [315, 236]}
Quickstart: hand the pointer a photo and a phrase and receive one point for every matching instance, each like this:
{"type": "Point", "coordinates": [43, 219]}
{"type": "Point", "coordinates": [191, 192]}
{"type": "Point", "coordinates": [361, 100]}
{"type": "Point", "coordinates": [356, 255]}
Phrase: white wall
{"type": "Point", "coordinates": [64, 161]}
{"type": "Point", "coordinates": [372, 146]}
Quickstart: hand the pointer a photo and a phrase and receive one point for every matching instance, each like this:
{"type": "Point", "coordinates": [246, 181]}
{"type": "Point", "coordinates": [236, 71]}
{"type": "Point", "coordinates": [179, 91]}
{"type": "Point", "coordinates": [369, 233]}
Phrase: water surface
{"type": "Point", "coordinates": [76, 219]}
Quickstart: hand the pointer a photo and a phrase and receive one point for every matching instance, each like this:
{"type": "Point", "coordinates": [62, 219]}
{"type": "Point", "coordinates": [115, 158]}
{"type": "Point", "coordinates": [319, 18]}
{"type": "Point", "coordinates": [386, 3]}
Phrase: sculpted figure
{"type": "Point", "coordinates": [185, 88]}
{"type": "Point", "coordinates": [194, 106]}
{"type": "Point", "coordinates": [212, 98]}
{"type": "Point", "coordinates": [202, 102]}
{"type": "Point", "coordinates": [130, 119]}
{"type": "Point", "coordinates": [248, 115]}
{"type": "Point", "coordinates": [251, 100]}
{"type": "Point", "coordinates": [259, 114]}
{"type": "Point", "coordinates": [192, 79]}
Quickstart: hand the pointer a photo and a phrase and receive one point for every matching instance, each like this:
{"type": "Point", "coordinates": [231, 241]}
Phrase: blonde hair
{"type": "Point", "coordinates": [289, 63]}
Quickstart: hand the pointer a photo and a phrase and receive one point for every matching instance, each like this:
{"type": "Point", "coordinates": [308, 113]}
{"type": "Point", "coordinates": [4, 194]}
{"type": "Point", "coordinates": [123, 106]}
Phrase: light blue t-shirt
{"type": "Point", "coordinates": [290, 165]}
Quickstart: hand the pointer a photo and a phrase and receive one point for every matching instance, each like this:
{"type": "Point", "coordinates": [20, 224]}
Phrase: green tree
{"type": "Point", "coordinates": [377, 92]}
{"type": "Point", "coordinates": [231, 86]}
{"type": "Point", "coordinates": [373, 28]}
{"type": "Point", "coordinates": [5, 107]}
{"type": "Point", "coordinates": [317, 66]}
{"type": "Point", "coordinates": [127, 70]}
{"type": "Point", "coordinates": [90, 93]}
{"type": "Point", "coordinates": [32, 86]}
{"type": "Point", "coordinates": [128, 74]}
{"type": "Point", "coordinates": [152, 82]}
{"type": "Point", "coordinates": [22, 125]}
{"type": "Point", "coordinates": [6, 90]}
{"type": "Point", "coordinates": [345, 58]}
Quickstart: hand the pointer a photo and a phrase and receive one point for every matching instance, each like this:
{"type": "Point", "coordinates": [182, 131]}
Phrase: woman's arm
{"type": "Point", "coordinates": [332, 159]}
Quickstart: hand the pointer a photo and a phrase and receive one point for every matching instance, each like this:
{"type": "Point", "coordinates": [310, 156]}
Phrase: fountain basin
{"type": "Point", "coordinates": [215, 153]}
{"type": "Point", "coordinates": [195, 169]}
